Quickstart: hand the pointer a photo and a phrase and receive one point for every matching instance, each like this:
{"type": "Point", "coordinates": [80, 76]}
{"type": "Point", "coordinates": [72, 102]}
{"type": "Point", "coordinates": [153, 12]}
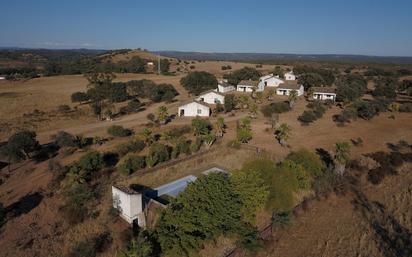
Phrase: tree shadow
{"type": "Point", "coordinates": [24, 205]}
{"type": "Point", "coordinates": [393, 239]}
{"type": "Point", "coordinates": [325, 156]}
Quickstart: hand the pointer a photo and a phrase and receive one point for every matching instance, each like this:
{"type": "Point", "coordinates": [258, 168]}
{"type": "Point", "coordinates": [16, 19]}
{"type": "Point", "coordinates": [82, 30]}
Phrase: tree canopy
{"type": "Point", "coordinates": [199, 81]}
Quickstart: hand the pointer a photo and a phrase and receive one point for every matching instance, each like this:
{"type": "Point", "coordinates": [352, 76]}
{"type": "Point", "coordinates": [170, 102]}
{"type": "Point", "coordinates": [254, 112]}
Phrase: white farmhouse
{"type": "Point", "coordinates": [269, 81]}
{"type": "Point", "coordinates": [324, 93]}
{"type": "Point", "coordinates": [129, 203]}
{"type": "Point", "coordinates": [193, 109]}
{"type": "Point", "coordinates": [246, 86]}
{"type": "Point", "coordinates": [290, 76]}
{"type": "Point", "coordinates": [286, 88]}
{"type": "Point", "coordinates": [224, 87]}
{"type": "Point", "coordinates": [211, 97]}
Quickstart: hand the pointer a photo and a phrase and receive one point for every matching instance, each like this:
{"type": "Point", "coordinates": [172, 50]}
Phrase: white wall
{"type": "Point", "coordinates": [129, 205]}
{"type": "Point", "coordinates": [223, 89]}
{"type": "Point", "coordinates": [290, 76]}
{"type": "Point", "coordinates": [243, 88]}
{"type": "Point", "coordinates": [280, 91]}
{"type": "Point", "coordinates": [211, 98]}
{"type": "Point", "coordinates": [324, 96]}
{"type": "Point", "coordinates": [193, 109]}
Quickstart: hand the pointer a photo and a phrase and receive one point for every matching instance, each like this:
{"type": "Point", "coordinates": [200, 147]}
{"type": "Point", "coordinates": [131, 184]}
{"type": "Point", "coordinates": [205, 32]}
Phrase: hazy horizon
{"type": "Point", "coordinates": [318, 27]}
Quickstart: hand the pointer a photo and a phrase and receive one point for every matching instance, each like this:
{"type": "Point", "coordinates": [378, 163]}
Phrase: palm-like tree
{"type": "Point", "coordinates": [209, 139]}
{"type": "Point", "coordinates": [162, 114]}
{"type": "Point", "coordinates": [271, 93]}
{"type": "Point", "coordinates": [310, 93]}
{"type": "Point", "coordinates": [293, 96]}
{"type": "Point", "coordinates": [283, 134]}
{"type": "Point", "coordinates": [147, 136]}
{"type": "Point", "coordinates": [220, 126]}
{"type": "Point", "coordinates": [342, 155]}
{"type": "Point", "coordinates": [253, 109]}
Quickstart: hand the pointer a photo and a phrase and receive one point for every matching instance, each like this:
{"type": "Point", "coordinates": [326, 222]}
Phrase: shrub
{"type": "Point", "coordinates": [195, 145]}
{"type": "Point", "coordinates": [279, 107]}
{"type": "Point", "coordinates": [201, 126]}
{"type": "Point", "coordinates": [92, 161]}
{"type": "Point", "coordinates": [130, 164]}
{"type": "Point", "coordinates": [80, 97]}
{"type": "Point", "coordinates": [64, 139]}
{"type": "Point", "coordinates": [134, 105]}
{"type": "Point", "coordinates": [309, 160]}
{"type": "Point", "coordinates": [119, 131]}
{"type": "Point", "coordinates": [307, 117]}
{"type": "Point", "coordinates": [160, 152]}
{"type": "Point", "coordinates": [91, 246]}
{"type": "Point", "coordinates": [63, 108]}
{"type": "Point", "coordinates": [128, 147]}
{"type": "Point", "coordinates": [406, 107]}
{"type": "Point", "coordinates": [77, 197]}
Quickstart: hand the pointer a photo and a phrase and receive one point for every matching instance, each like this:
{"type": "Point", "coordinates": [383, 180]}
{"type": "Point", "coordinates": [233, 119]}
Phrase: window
{"type": "Point", "coordinates": [217, 101]}
{"type": "Point", "coordinates": [199, 111]}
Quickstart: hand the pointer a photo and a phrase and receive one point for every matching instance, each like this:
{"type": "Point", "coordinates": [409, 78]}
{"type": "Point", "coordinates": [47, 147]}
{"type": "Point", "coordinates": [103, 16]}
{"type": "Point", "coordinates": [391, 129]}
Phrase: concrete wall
{"type": "Point", "coordinates": [243, 88]}
{"type": "Point", "coordinates": [211, 98]}
{"type": "Point", "coordinates": [290, 76]}
{"type": "Point", "coordinates": [324, 96]}
{"type": "Point", "coordinates": [281, 91]}
{"type": "Point", "coordinates": [130, 206]}
{"type": "Point", "coordinates": [222, 89]}
{"type": "Point", "coordinates": [194, 109]}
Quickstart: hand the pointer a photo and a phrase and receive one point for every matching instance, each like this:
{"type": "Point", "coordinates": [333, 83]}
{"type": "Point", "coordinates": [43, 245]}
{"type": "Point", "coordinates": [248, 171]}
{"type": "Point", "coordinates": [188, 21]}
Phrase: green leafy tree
{"type": "Point", "coordinates": [21, 144]}
{"type": "Point", "coordinates": [138, 248]}
{"type": "Point", "coordinates": [246, 73]}
{"type": "Point", "coordinates": [130, 164]}
{"type": "Point", "coordinates": [200, 126]}
{"type": "Point", "coordinates": [220, 126]}
{"type": "Point", "coordinates": [342, 155]}
{"type": "Point", "coordinates": [309, 80]}
{"type": "Point", "coordinates": [206, 209]}
{"type": "Point", "coordinates": [293, 96]}
{"type": "Point", "coordinates": [230, 103]}
{"type": "Point", "coordinates": [302, 176]}
{"type": "Point", "coordinates": [162, 114]}
{"type": "Point", "coordinates": [283, 134]}
{"type": "Point", "coordinates": [244, 130]}
{"type": "Point", "coordinates": [252, 191]}
{"type": "Point", "coordinates": [310, 161]}
{"type": "Point", "coordinates": [92, 161]}
{"type": "Point", "coordinates": [147, 136]}
{"type": "Point", "coordinates": [199, 81]}
{"type": "Point", "coordinates": [209, 139]}
{"type": "Point", "coordinates": [278, 72]}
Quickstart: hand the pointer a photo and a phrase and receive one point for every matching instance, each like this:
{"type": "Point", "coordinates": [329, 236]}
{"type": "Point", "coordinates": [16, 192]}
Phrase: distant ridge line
{"type": "Point", "coordinates": [283, 57]}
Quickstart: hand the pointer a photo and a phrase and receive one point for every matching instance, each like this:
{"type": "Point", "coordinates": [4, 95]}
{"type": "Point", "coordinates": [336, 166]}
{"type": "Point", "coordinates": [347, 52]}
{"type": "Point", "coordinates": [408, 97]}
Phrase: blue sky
{"type": "Point", "coordinates": [306, 27]}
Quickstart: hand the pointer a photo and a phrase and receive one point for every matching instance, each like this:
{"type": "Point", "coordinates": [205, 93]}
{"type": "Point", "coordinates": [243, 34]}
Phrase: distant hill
{"type": "Point", "coordinates": [127, 54]}
{"type": "Point", "coordinates": [284, 57]}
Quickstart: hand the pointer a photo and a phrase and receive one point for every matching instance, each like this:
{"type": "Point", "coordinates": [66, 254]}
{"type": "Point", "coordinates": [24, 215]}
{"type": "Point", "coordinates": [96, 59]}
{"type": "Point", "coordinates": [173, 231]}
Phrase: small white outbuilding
{"type": "Point", "coordinates": [324, 93]}
{"type": "Point", "coordinates": [286, 88]}
{"type": "Point", "coordinates": [269, 81]}
{"type": "Point", "coordinates": [193, 109]}
{"type": "Point", "coordinates": [247, 86]}
{"type": "Point", "coordinates": [224, 87]}
{"type": "Point", "coordinates": [211, 97]}
{"type": "Point", "coordinates": [290, 76]}
{"type": "Point", "coordinates": [129, 203]}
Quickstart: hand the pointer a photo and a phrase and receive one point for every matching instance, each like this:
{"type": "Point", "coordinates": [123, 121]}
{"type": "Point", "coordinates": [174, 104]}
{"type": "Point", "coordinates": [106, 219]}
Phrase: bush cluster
{"type": "Point", "coordinates": [317, 109]}
{"type": "Point", "coordinates": [279, 107]}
